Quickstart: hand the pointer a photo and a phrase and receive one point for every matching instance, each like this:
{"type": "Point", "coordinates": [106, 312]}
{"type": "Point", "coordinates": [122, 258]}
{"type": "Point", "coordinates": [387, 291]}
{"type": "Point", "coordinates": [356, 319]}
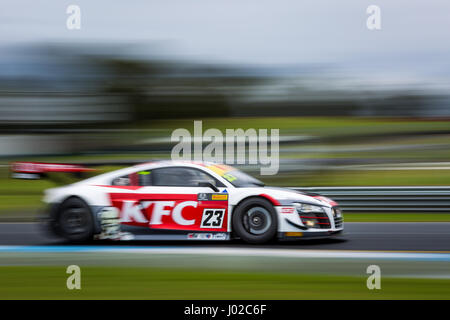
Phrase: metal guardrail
{"type": "Point", "coordinates": [387, 199]}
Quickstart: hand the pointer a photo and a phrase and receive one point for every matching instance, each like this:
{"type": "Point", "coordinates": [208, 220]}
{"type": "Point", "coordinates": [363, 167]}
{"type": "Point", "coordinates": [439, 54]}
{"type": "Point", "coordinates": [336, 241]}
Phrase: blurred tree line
{"type": "Point", "coordinates": [100, 89]}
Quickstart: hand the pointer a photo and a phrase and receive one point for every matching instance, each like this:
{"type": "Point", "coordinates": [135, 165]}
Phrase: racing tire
{"type": "Point", "coordinates": [255, 221]}
{"type": "Point", "coordinates": [74, 221]}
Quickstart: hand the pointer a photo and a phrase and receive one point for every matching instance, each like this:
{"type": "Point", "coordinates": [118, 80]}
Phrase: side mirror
{"type": "Point", "coordinates": [208, 185]}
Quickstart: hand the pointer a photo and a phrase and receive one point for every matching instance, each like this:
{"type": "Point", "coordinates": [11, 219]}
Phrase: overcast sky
{"type": "Point", "coordinates": [415, 33]}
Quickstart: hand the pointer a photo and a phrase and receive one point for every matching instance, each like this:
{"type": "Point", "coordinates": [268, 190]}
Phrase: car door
{"type": "Point", "coordinates": [170, 198]}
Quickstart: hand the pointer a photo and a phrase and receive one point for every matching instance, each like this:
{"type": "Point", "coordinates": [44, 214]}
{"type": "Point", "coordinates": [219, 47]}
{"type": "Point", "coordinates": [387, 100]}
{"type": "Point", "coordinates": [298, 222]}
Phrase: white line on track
{"type": "Point", "coordinates": [255, 252]}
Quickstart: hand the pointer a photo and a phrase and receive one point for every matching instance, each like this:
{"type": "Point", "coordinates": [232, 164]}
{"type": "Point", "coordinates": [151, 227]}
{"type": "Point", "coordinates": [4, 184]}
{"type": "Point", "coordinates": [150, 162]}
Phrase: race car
{"type": "Point", "coordinates": [184, 200]}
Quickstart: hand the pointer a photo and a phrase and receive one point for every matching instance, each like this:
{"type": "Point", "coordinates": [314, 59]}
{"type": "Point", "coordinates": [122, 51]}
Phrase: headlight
{"type": "Point", "coordinates": [310, 223]}
{"type": "Point", "coordinates": [307, 208]}
{"type": "Point", "coordinates": [337, 212]}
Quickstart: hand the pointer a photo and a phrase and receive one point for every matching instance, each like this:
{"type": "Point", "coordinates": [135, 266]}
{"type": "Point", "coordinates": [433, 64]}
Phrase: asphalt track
{"type": "Point", "coordinates": [397, 236]}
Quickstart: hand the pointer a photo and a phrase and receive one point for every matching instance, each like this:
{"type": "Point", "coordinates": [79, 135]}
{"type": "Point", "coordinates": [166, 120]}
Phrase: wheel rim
{"type": "Point", "coordinates": [73, 221]}
{"type": "Point", "coordinates": [257, 220]}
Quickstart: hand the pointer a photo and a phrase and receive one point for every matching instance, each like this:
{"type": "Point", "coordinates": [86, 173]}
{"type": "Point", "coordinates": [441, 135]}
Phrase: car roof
{"type": "Point", "coordinates": [102, 178]}
{"type": "Point", "coordinates": [170, 163]}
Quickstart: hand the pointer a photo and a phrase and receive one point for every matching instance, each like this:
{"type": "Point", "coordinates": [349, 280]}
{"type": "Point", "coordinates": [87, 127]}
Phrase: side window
{"type": "Point", "coordinates": [122, 181]}
{"type": "Point", "coordinates": [181, 177]}
{"type": "Point", "coordinates": [140, 178]}
{"type": "Point", "coordinates": [144, 177]}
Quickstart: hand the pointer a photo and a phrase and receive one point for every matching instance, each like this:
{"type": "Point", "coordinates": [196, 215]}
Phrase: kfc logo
{"type": "Point", "coordinates": [133, 211]}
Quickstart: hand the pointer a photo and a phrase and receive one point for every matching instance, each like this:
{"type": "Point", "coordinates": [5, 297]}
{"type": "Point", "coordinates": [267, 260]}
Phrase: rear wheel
{"type": "Point", "coordinates": [255, 221]}
{"type": "Point", "coordinates": [75, 222]}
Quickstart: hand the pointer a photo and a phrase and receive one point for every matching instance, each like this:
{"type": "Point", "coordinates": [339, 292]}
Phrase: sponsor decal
{"type": "Point", "coordinates": [212, 218]}
{"type": "Point", "coordinates": [200, 236]}
{"type": "Point", "coordinates": [288, 210]}
{"type": "Point", "coordinates": [170, 211]}
{"type": "Point", "coordinates": [202, 197]}
{"type": "Point", "coordinates": [212, 197]}
{"type": "Point", "coordinates": [220, 236]}
{"type": "Point", "coordinates": [219, 197]}
{"type": "Point", "coordinates": [132, 211]}
{"type": "Point", "coordinates": [294, 234]}
{"type": "Point", "coordinates": [207, 236]}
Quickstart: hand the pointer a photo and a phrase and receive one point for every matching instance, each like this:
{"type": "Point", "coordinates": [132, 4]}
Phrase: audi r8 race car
{"type": "Point", "coordinates": [174, 200]}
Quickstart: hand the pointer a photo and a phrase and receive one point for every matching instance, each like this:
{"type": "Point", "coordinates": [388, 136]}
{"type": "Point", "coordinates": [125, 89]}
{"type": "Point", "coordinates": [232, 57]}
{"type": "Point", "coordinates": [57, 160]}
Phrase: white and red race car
{"type": "Point", "coordinates": [178, 200]}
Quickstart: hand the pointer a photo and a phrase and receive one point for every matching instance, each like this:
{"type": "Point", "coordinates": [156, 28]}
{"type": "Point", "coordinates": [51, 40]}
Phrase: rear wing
{"type": "Point", "coordinates": [38, 170]}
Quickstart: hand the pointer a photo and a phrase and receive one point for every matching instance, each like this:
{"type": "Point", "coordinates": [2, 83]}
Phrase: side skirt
{"type": "Point", "coordinates": [144, 233]}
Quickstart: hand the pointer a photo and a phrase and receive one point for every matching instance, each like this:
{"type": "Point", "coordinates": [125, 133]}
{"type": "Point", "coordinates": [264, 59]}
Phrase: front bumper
{"type": "Point", "coordinates": [290, 221]}
{"type": "Point", "coordinates": [292, 236]}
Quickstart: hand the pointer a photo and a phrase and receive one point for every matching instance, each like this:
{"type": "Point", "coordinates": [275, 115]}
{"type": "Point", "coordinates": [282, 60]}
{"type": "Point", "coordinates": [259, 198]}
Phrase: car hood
{"type": "Point", "coordinates": [285, 194]}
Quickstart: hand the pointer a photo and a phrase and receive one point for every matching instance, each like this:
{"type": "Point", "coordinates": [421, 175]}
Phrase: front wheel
{"type": "Point", "coordinates": [74, 221]}
{"type": "Point", "coordinates": [255, 221]}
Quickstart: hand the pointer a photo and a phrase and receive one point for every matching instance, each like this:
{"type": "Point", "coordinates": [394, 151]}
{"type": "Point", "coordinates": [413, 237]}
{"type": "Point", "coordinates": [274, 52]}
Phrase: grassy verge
{"type": "Point", "coordinates": [362, 178]}
{"type": "Point", "coordinates": [321, 126]}
{"type": "Point", "coordinates": [148, 283]}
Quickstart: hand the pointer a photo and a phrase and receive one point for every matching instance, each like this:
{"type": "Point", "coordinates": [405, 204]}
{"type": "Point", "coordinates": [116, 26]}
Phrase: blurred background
{"type": "Point", "coordinates": [355, 107]}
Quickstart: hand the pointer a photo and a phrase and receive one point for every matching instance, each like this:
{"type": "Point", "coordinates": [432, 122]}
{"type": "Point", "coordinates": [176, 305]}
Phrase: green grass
{"type": "Point", "coordinates": [10, 203]}
{"type": "Point", "coordinates": [363, 178]}
{"type": "Point", "coordinates": [9, 186]}
{"type": "Point", "coordinates": [322, 126]}
{"type": "Point", "coordinates": [148, 283]}
{"type": "Point", "coordinates": [94, 157]}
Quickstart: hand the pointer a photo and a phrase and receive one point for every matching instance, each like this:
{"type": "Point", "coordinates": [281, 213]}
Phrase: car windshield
{"type": "Point", "coordinates": [236, 177]}
{"type": "Point", "coordinates": [241, 179]}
